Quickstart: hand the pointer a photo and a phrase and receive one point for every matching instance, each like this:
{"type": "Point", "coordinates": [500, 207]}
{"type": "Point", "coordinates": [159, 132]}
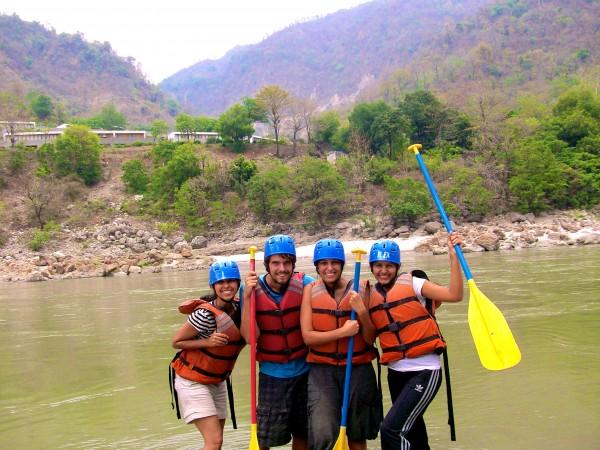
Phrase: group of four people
{"type": "Point", "coordinates": [303, 329]}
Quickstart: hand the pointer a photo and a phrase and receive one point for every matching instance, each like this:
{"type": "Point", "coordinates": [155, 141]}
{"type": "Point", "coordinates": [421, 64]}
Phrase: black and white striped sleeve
{"type": "Point", "coordinates": [204, 322]}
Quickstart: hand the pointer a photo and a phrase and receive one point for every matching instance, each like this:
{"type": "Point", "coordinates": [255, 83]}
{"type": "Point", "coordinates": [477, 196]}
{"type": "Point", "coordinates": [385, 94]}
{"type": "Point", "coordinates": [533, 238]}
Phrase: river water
{"type": "Point", "coordinates": [83, 363]}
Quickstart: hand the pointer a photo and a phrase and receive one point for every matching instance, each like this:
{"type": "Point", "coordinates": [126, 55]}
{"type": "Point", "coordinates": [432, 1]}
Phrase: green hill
{"type": "Point", "coordinates": [383, 48]}
{"type": "Point", "coordinates": [83, 76]}
{"type": "Point", "coordinates": [510, 48]}
{"type": "Point", "coordinates": [330, 58]}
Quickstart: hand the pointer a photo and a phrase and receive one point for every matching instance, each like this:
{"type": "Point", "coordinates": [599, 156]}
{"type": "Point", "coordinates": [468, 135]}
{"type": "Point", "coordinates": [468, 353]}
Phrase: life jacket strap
{"type": "Point", "coordinates": [404, 347]}
{"type": "Point", "coordinates": [397, 326]}
{"type": "Point", "coordinates": [190, 366]}
{"type": "Point", "coordinates": [388, 305]}
{"type": "Point", "coordinates": [174, 398]}
{"type": "Point", "coordinates": [281, 331]}
{"type": "Point", "coordinates": [278, 312]}
{"type": "Point", "coordinates": [331, 312]}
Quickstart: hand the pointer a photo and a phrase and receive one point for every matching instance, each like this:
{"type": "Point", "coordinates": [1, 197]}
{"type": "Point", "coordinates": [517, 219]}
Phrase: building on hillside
{"type": "Point", "coordinates": [29, 138]}
{"type": "Point", "coordinates": [197, 136]}
{"type": "Point", "coordinates": [108, 137]}
{"type": "Point", "coordinates": [39, 138]}
{"type": "Point", "coordinates": [258, 139]}
{"type": "Point", "coordinates": [16, 125]}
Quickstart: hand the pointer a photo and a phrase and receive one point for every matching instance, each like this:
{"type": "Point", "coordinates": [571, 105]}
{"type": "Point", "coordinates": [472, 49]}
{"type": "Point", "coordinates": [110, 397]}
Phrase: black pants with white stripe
{"type": "Point", "coordinates": [403, 427]}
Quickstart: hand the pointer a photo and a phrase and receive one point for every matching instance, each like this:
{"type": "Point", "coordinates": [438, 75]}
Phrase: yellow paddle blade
{"type": "Point", "coordinates": [342, 442]}
{"type": "Point", "coordinates": [253, 438]}
{"type": "Point", "coordinates": [494, 341]}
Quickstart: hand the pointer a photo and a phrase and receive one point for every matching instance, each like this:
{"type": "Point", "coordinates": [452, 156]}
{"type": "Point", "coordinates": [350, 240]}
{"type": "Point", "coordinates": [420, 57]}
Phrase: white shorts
{"type": "Point", "coordinates": [197, 400]}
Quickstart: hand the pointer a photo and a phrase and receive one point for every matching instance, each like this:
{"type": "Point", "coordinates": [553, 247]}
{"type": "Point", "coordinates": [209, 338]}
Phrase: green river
{"type": "Point", "coordinates": [83, 363]}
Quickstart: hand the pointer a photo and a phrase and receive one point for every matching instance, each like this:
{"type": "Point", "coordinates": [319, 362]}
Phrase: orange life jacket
{"type": "Point", "coordinates": [328, 315]}
{"type": "Point", "coordinates": [209, 365]}
{"type": "Point", "coordinates": [280, 337]}
{"type": "Point", "coordinates": [406, 328]}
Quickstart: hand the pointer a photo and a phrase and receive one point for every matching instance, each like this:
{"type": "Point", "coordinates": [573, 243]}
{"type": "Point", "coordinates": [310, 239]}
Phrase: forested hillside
{"type": "Point", "coordinates": [385, 48]}
{"type": "Point", "coordinates": [510, 48]}
{"type": "Point", "coordinates": [329, 59]}
{"type": "Point", "coordinates": [78, 75]}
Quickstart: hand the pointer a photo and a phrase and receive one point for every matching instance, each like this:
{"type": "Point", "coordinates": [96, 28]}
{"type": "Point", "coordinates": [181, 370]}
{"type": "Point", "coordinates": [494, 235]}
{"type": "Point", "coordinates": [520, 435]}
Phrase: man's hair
{"type": "Point", "coordinates": [286, 256]}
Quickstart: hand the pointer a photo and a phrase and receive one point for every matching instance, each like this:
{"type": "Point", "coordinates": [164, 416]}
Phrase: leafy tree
{"type": "Point", "coordinates": [274, 101]}
{"type": "Point", "coordinates": [255, 111]}
{"type": "Point", "coordinates": [204, 123]}
{"type": "Point", "coordinates": [42, 106]}
{"type": "Point", "coordinates": [184, 123]}
{"type": "Point", "coordinates": [321, 192]}
{"type": "Point", "coordinates": [408, 199]}
{"type": "Point", "coordinates": [378, 169]}
{"type": "Point", "coordinates": [269, 193]}
{"type": "Point", "coordinates": [389, 126]}
{"type": "Point", "coordinates": [135, 176]}
{"type": "Point", "coordinates": [168, 178]}
{"type": "Point", "coordinates": [191, 203]}
{"type": "Point", "coordinates": [77, 151]}
{"type": "Point", "coordinates": [158, 129]}
{"type": "Point", "coordinates": [235, 126]}
{"type": "Point", "coordinates": [163, 152]}
{"type": "Point", "coordinates": [538, 181]}
{"type": "Point", "coordinates": [362, 120]}
{"type": "Point", "coordinates": [464, 192]}
{"type": "Point", "coordinates": [110, 119]}
{"type": "Point", "coordinates": [432, 123]}
{"type": "Point", "coordinates": [241, 171]}
{"type": "Point", "coordinates": [325, 127]}
{"type": "Point", "coordinates": [172, 107]}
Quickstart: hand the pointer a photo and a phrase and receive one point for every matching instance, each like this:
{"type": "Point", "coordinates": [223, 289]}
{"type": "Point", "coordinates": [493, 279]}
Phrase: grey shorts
{"type": "Point", "coordinates": [281, 411]}
{"type": "Point", "coordinates": [325, 397]}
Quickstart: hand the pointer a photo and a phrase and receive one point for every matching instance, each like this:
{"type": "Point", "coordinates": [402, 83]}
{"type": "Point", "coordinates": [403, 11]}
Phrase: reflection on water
{"type": "Point", "coordinates": [84, 362]}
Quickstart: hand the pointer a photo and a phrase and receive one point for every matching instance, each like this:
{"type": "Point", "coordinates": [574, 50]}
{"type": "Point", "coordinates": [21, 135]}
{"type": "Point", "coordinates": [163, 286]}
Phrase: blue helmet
{"type": "Point", "coordinates": [329, 249]}
{"type": "Point", "coordinates": [279, 244]}
{"type": "Point", "coordinates": [385, 250]}
{"type": "Point", "coordinates": [223, 270]}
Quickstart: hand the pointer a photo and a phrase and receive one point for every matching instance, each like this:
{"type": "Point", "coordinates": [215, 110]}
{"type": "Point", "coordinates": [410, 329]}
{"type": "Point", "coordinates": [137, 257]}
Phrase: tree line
{"type": "Point", "coordinates": [538, 157]}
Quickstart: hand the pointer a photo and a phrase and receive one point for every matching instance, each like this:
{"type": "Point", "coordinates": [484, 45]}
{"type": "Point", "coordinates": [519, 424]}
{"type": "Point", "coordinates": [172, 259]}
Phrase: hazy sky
{"type": "Point", "coordinates": [166, 36]}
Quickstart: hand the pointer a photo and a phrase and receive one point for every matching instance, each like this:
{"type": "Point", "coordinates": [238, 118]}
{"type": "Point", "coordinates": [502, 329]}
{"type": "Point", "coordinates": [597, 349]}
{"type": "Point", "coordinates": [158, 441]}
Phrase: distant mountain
{"type": "Point", "coordinates": [83, 76]}
{"type": "Point", "coordinates": [330, 59]}
{"type": "Point", "coordinates": [508, 48]}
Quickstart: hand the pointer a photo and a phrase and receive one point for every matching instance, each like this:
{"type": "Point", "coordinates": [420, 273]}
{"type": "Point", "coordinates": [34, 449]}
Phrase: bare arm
{"type": "Point", "coordinates": [367, 329]}
{"type": "Point", "coordinates": [312, 337]}
{"type": "Point", "coordinates": [454, 292]}
{"type": "Point", "coordinates": [250, 283]}
{"type": "Point", "coordinates": [185, 339]}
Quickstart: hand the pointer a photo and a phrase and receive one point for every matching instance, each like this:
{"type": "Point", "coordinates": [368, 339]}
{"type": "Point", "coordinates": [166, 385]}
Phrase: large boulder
{"type": "Point", "coordinates": [433, 227]}
{"type": "Point", "coordinates": [199, 242]}
{"type": "Point", "coordinates": [489, 241]}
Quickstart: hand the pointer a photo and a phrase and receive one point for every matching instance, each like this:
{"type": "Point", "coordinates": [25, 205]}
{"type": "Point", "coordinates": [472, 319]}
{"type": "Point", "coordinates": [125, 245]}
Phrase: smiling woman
{"type": "Point", "coordinates": [209, 344]}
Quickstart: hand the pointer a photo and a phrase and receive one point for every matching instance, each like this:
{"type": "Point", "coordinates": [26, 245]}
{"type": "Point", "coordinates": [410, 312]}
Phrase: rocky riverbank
{"type": "Point", "coordinates": [126, 247]}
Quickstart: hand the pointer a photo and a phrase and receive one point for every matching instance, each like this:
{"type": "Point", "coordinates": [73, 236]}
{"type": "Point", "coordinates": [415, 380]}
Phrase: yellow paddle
{"type": "Point", "coordinates": [253, 433]}
{"type": "Point", "coordinates": [342, 441]}
{"type": "Point", "coordinates": [494, 341]}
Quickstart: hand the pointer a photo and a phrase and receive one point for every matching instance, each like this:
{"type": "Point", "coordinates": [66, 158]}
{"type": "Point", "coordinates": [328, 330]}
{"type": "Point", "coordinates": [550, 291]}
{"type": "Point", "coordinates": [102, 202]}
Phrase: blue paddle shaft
{"type": "Point", "coordinates": [356, 286]}
{"type": "Point", "coordinates": [440, 207]}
